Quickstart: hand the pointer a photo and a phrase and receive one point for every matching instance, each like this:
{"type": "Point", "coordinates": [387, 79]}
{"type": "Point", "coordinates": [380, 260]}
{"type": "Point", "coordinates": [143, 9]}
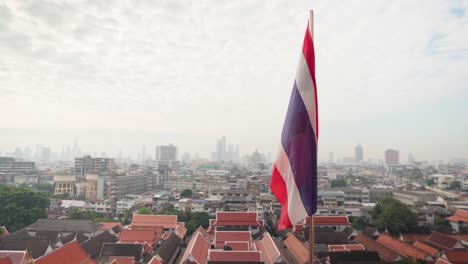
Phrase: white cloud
{"type": "Point", "coordinates": [173, 65]}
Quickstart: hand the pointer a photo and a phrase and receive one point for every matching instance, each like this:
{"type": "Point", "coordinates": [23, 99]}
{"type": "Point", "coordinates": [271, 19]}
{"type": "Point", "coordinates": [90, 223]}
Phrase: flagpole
{"type": "Point", "coordinates": [312, 222]}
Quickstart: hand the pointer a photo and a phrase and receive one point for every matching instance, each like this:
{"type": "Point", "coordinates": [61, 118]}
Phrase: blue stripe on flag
{"type": "Point", "coordinates": [298, 139]}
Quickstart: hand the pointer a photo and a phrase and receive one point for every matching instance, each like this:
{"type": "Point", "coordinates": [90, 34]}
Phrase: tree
{"type": "Point", "coordinates": [430, 182]}
{"type": "Point", "coordinates": [45, 187]}
{"type": "Point", "coordinates": [20, 207]}
{"type": "Point", "coordinates": [359, 223]}
{"type": "Point", "coordinates": [144, 211]}
{"type": "Point", "coordinates": [338, 183]}
{"type": "Point", "coordinates": [186, 193]}
{"type": "Point", "coordinates": [442, 222]}
{"type": "Point", "coordinates": [410, 261]}
{"type": "Point", "coordinates": [192, 220]}
{"type": "Point", "coordinates": [393, 216]}
{"type": "Point", "coordinates": [77, 213]}
{"type": "Point", "coordinates": [455, 185]}
{"type": "Point", "coordinates": [127, 216]}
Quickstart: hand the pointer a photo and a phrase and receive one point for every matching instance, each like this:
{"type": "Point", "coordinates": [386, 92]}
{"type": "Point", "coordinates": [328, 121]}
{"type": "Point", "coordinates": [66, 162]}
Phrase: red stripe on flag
{"type": "Point", "coordinates": [309, 55]}
{"type": "Point", "coordinates": [278, 187]}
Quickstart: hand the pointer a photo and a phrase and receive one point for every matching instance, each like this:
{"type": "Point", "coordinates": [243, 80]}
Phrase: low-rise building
{"type": "Point", "coordinates": [64, 184]}
{"type": "Point", "coordinates": [413, 198]}
{"type": "Point", "coordinates": [459, 220]}
{"type": "Point", "coordinates": [337, 223]}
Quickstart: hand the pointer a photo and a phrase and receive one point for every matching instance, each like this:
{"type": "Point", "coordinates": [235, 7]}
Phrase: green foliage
{"type": "Point", "coordinates": [45, 187]}
{"type": "Point", "coordinates": [411, 261]}
{"type": "Point", "coordinates": [393, 216]}
{"type": "Point", "coordinates": [442, 222]}
{"type": "Point", "coordinates": [338, 183]}
{"type": "Point", "coordinates": [144, 211]}
{"type": "Point", "coordinates": [187, 193]}
{"type": "Point", "coordinates": [64, 196]}
{"type": "Point", "coordinates": [463, 230]}
{"type": "Point", "coordinates": [192, 220]}
{"type": "Point", "coordinates": [455, 185]}
{"type": "Point", "coordinates": [429, 182]}
{"type": "Point", "coordinates": [359, 223]}
{"type": "Point", "coordinates": [20, 207]}
{"type": "Point", "coordinates": [127, 217]}
{"type": "Point", "coordinates": [77, 213]}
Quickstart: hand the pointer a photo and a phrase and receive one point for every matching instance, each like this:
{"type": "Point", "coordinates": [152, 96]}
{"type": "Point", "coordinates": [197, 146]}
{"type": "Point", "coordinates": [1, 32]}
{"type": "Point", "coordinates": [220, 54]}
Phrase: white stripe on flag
{"type": "Point", "coordinates": [306, 88]}
{"type": "Point", "coordinates": [296, 210]}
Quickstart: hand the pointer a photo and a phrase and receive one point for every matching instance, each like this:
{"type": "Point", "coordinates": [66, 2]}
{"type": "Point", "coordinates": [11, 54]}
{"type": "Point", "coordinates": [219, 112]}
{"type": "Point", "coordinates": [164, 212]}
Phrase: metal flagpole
{"type": "Point", "coordinates": [312, 222]}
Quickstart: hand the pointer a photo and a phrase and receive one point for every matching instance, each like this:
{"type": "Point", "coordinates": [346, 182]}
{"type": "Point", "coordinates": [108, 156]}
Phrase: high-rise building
{"type": "Point", "coordinates": [330, 158]}
{"type": "Point", "coordinates": [224, 152]}
{"type": "Point", "coordinates": [358, 154]}
{"type": "Point", "coordinates": [392, 157]}
{"type": "Point", "coordinates": [87, 164]}
{"type": "Point", "coordinates": [46, 153]}
{"type": "Point", "coordinates": [221, 149]}
{"type": "Point", "coordinates": [166, 152]}
{"type": "Point", "coordinates": [411, 159]}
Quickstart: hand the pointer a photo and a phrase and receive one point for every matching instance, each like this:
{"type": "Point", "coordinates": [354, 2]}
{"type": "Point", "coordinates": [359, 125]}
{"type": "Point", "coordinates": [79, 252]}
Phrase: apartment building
{"type": "Point", "coordinates": [88, 164]}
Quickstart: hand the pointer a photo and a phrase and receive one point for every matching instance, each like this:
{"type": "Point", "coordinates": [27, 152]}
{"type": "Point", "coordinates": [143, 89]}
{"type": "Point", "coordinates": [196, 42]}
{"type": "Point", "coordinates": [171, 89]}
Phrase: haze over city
{"type": "Point", "coordinates": [130, 73]}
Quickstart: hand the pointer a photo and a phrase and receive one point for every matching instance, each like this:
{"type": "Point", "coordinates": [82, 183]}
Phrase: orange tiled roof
{"type": "Point", "coordinates": [297, 249]}
{"type": "Point", "coordinates": [442, 241]}
{"type": "Point", "coordinates": [460, 216]}
{"type": "Point", "coordinates": [180, 231]}
{"type": "Point", "coordinates": [154, 260]}
{"type": "Point", "coordinates": [238, 245]}
{"type": "Point", "coordinates": [234, 256]}
{"type": "Point", "coordinates": [426, 248]}
{"type": "Point", "coordinates": [221, 237]}
{"type": "Point", "coordinates": [6, 260]}
{"type": "Point", "coordinates": [457, 256]}
{"type": "Point", "coordinates": [166, 221]}
{"type": "Point", "coordinates": [268, 248]}
{"type": "Point", "coordinates": [108, 225]}
{"type": "Point", "coordinates": [402, 248]}
{"type": "Point", "coordinates": [384, 252]}
{"type": "Point", "coordinates": [70, 253]}
{"type": "Point", "coordinates": [346, 248]}
{"type": "Point", "coordinates": [329, 220]}
{"type": "Point", "coordinates": [204, 233]}
{"type": "Point", "coordinates": [14, 256]}
{"type": "Point", "coordinates": [4, 231]}
{"type": "Point", "coordinates": [121, 260]}
{"type": "Point", "coordinates": [235, 219]}
{"type": "Point", "coordinates": [410, 238]}
{"type": "Point", "coordinates": [139, 236]}
{"type": "Point", "coordinates": [442, 261]}
{"type": "Point", "coordinates": [197, 249]}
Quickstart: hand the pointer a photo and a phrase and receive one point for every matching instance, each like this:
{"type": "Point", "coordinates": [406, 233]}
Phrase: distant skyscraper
{"type": "Point", "coordinates": [330, 158]}
{"type": "Point", "coordinates": [220, 149]}
{"type": "Point", "coordinates": [166, 152]}
{"type": "Point", "coordinates": [392, 157]}
{"type": "Point", "coordinates": [185, 157]}
{"type": "Point", "coordinates": [358, 154]}
{"type": "Point", "coordinates": [411, 159]}
{"type": "Point", "coordinates": [46, 154]}
{"type": "Point", "coordinates": [224, 152]}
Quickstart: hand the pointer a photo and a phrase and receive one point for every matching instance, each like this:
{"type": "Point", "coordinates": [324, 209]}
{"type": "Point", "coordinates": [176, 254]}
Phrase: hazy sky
{"type": "Point", "coordinates": [390, 74]}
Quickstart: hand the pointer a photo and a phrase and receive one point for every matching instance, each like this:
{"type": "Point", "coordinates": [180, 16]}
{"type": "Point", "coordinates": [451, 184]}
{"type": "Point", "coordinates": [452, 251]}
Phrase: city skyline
{"type": "Point", "coordinates": [404, 90]}
{"type": "Point", "coordinates": [131, 146]}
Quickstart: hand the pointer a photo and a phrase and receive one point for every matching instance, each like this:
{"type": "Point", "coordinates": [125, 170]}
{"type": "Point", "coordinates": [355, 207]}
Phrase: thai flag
{"type": "Point", "coordinates": [294, 176]}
